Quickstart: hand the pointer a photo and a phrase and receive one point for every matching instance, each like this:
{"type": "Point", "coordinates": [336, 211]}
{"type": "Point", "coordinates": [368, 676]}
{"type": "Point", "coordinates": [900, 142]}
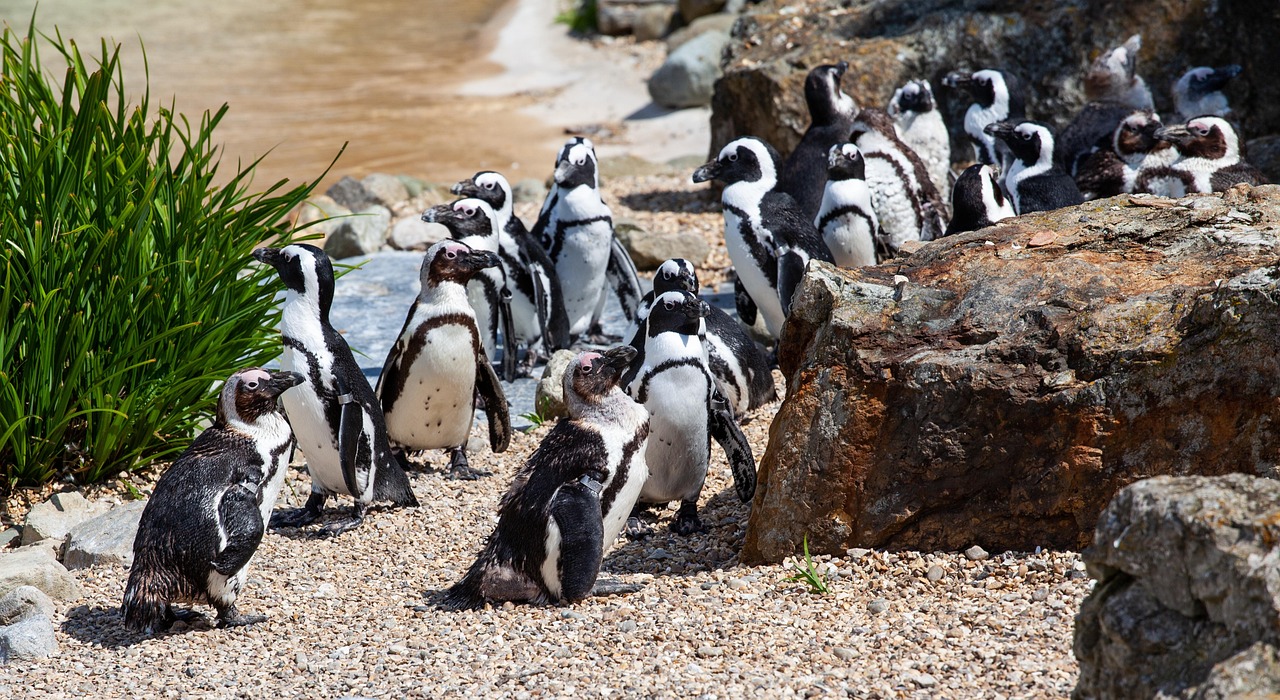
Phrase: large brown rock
{"type": "Point", "coordinates": [1047, 44]}
{"type": "Point", "coordinates": [1020, 375]}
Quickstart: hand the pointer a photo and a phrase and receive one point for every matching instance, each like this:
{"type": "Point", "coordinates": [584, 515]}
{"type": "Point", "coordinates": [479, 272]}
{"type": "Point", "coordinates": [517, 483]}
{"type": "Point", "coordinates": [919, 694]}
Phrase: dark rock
{"type": "Point", "coordinates": [361, 234]}
{"type": "Point", "coordinates": [1187, 602]}
{"type": "Point", "coordinates": [687, 77]}
{"type": "Point", "coordinates": [1000, 395]}
{"type": "Point", "coordinates": [693, 9]}
{"type": "Point", "coordinates": [351, 193]}
{"type": "Point", "coordinates": [653, 22]}
{"type": "Point", "coordinates": [1264, 153]}
{"type": "Point", "coordinates": [106, 539]}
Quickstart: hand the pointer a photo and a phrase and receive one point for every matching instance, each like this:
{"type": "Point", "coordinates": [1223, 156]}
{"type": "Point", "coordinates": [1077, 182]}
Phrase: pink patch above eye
{"type": "Point", "coordinates": [255, 375]}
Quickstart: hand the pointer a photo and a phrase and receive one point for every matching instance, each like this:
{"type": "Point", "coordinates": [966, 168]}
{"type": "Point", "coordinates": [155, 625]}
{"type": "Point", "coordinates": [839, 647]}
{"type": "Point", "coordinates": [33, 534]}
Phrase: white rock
{"type": "Point", "coordinates": [37, 566]}
{"type": "Point", "coordinates": [31, 637]}
{"type": "Point", "coordinates": [106, 539]}
{"type": "Point", "coordinates": [412, 233]}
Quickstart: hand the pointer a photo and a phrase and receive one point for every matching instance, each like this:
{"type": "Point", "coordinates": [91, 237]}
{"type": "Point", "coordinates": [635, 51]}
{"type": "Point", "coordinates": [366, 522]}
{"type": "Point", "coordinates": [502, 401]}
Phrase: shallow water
{"type": "Point", "coordinates": [303, 76]}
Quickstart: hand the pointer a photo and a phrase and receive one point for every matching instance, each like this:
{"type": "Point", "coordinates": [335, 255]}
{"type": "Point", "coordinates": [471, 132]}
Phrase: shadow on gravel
{"type": "Point", "coordinates": [665, 553]}
{"type": "Point", "coordinates": [101, 627]}
{"type": "Point", "coordinates": [699, 202]}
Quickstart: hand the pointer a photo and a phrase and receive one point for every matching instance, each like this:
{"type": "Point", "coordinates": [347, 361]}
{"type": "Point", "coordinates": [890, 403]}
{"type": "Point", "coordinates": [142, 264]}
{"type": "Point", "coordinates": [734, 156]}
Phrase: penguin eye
{"type": "Point", "coordinates": [490, 185]}
{"type": "Point", "coordinates": [450, 255]}
{"type": "Point", "coordinates": [251, 385]}
{"type": "Point", "coordinates": [586, 368]}
{"type": "Point", "coordinates": [1201, 129]}
{"type": "Point", "coordinates": [469, 211]}
{"type": "Point", "coordinates": [1026, 136]}
{"type": "Point", "coordinates": [580, 161]}
{"type": "Point", "coordinates": [669, 304]}
{"type": "Point", "coordinates": [733, 157]}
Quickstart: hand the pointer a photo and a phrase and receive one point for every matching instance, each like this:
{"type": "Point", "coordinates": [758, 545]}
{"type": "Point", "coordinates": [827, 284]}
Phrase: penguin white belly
{"type": "Point", "coordinates": [274, 438]}
{"type": "Point", "coordinates": [976, 118]}
{"type": "Point", "coordinates": [438, 402]}
{"type": "Point", "coordinates": [223, 590]}
{"type": "Point", "coordinates": [753, 278]}
{"type": "Point", "coordinates": [845, 223]}
{"type": "Point", "coordinates": [311, 427]}
{"type": "Point", "coordinates": [524, 317]}
{"type": "Point", "coordinates": [926, 134]}
{"type": "Point", "coordinates": [678, 448]}
{"type": "Point", "coordinates": [581, 264]}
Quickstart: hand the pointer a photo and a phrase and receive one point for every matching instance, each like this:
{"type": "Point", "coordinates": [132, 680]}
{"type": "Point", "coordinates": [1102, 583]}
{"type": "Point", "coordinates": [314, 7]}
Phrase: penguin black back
{"type": "Point", "coordinates": [977, 200]}
{"type": "Point", "coordinates": [831, 113]}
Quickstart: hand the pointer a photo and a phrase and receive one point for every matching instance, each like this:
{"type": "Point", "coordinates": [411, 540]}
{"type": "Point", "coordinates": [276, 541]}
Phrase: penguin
{"type": "Point", "coordinates": [570, 500]}
{"type": "Point", "coordinates": [530, 273]}
{"type": "Point", "coordinates": [438, 366]}
{"type": "Point", "coordinates": [997, 97]}
{"type": "Point", "coordinates": [739, 366]}
{"type": "Point", "coordinates": [335, 415]}
{"type": "Point", "coordinates": [1114, 165]}
{"type": "Point", "coordinates": [905, 200]}
{"type": "Point", "coordinates": [1034, 181]}
{"type": "Point", "coordinates": [1199, 92]}
{"type": "Point", "coordinates": [920, 126]}
{"type": "Point", "coordinates": [575, 227]}
{"type": "Point", "coordinates": [1113, 90]}
{"type": "Point", "coordinates": [831, 113]}
{"type": "Point", "coordinates": [1208, 158]}
{"type": "Point", "coordinates": [977, 200]}
{"type": "Point", "coordinates": [686, 412]}
{"type": "Point", "coordinates": [767, 236]}
{"type": "Point", "coordinates": [207, 514]}
{"type": "Point", "coordinates": [472, 221]}
{"type": "Point", "coordinates": [847, 220]}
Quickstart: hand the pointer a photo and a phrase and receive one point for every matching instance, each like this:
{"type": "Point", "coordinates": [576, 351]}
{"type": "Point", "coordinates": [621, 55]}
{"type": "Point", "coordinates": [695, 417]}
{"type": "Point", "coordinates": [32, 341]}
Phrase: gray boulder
{"type": "Point", "coordinates": [652, 22]}
{"type": "Point", "coordinates": [351, 193]}
{"type": "Point", "coordinates": [548, 399]}
{"type": "Point", "coordinates": [649, 250]}
{"type": "Point", "coordinates": [646, 19]}
{"type": "Point", "coordinates": [320, 214]}
{"type": "Point", "coordinates": [361, 234]}
{"type": "Point", "coordinates": [688, 77]}
{"type": "Point", "coordinates": [387, 190]}
{"type": "Point", "coordinates": [23, 601]}
{"type": "Point", "coordinates": [31, 637]}
{"type": "Point", "coordinates": [55, 517]}
{"type": "Point", "coordinates": [719, 22]}
{"type": "Point", "coordinates": [37, 566]}
{"type": "Point", "coordinates": [1187, 603]}
{"type": "Point", "coordinates": [412, 233]}
{"type": "Point", "coordinates": [530, 189]}
{"type": "Point", "coordinates": [106, 539]}
{"type": "Point", "coordinates": [693, 9]}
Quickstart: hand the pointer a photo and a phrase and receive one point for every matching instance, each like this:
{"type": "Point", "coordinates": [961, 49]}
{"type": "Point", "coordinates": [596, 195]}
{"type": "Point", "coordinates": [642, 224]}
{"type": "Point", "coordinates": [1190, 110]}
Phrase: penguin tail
{"type": "Point", "coordinates": [146, 602]}
{"type": "Point", "coordinates": [393, 485]}
{"type": "Point", "coordinates": [491, 578]}
{"type": "Point", "coordinates": [465, 594]}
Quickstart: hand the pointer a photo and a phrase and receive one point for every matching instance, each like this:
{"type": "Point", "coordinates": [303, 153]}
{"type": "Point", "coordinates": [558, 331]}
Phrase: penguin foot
{"type": "Point", "coordinates": [190, 617]}
{"type": "Point", "coordinates": [687, 521]}
{"type": "Point", "coordinates": [295, 517]}
{"type": "Point", "coordinates": [231, 617]}
{"type": "Point", "coordinates": [609, 586]}
{"type": "Point", "coordinates": [637, 529]}
{"type": "Point", "coordinates": [460, 470]}
{"type": "Point", "coordinates": [338, 527]}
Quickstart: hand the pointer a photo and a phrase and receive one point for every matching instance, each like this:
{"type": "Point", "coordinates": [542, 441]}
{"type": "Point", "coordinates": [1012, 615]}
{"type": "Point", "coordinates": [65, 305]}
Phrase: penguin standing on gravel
{"type": "Point", "coordinates": [1035, 181]}
{"type": "Point", "coordinates": [570, 500]}
{"type": "Point", "coordinates": [906, 202]}
{"type": "Point", "coordinates": [438, 366]}
{"type": "Point", "coordinates": [847, 220]}
{"type": "Point", "coordinates": [209, 510]}
{"type": "Point", "coordinates": [831, 113]}
{"type": "Point", "coordinates": [920, 126]}
{"type": "Point", "coordinates": [531, 275]}
{"type": "Point", "coordinates": [335, 415]}
{"type": "Point", "coordinates": [977, 200]}
{"type": "Point", "coordinates": [1199, 92]}
{"type": "Point", "coordinates": [997, 97]}
{"type": "Point", "coordinates": [576, 229]}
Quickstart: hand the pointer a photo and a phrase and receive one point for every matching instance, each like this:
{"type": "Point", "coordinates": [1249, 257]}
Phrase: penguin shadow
{"type": "Point", "coordinates": [315, 531]}
{"type": "Point", "coordinates": [664, 553]}
{"type": "Point", "coordinates": [104, 627]}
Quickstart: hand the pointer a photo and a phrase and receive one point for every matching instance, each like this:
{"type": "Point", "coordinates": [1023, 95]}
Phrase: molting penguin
{"type": "Point", "coordinates": [1113, 91]}
{"type": "Point", "coordinates": [576, 229]}
{"type": "Point", "coordinates": [1114, 166]}
{"type": "Point", "coordinates": [1208, 158]}
{"type": "Point", "coordinates": [997, 97]}
{"type": "Point", "coordinates": [919, 124]}
{"type": "Point", "coordinates": [438, 365]}
{"type": "Point", "coordinates": [767, 235]}
{"type": "Point", "coordinates": [1199, 92]}
{"type": "Point", "coordinates": [977, 200]}
{"type": "Point", "coordinates": [906, 202]}
{"type": "Point", "coordinates": [847, 220]}
{"type": "Point", "coordinates": [531, 275]}
{"type": "Point", "coordinates": [1034, 181]}
{"type": "Point", "coordinates": [568, 503]}
{"type": "Point", "coordinates": [209, 510]}
{"type": "Point", "coordinates": [831, 113]}
{"type": "Point", "coordinates": [335, 415]}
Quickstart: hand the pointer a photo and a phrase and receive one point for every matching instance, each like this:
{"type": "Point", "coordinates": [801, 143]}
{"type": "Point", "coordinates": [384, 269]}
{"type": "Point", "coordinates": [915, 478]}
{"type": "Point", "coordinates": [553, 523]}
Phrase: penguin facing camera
{"type": "Point", "coordinates": [847, 219]}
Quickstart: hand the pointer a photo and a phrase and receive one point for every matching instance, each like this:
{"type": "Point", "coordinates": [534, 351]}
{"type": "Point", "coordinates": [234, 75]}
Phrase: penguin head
{"type": "Point", "coordinates": [1112, 73]}
{"type": "Point", "coordinates": [844, 162]}
{"type": "Point", "coordinates": [1206, 137]}
{"type": "Point", "coordinates": [873, 120]}
{"type": "Point", "coordinates": [487, 185]}
{"type": "Point", "coordinates": [592, 375]}
{"type": "Point", "coordinates": [990, 87]}
{"type": "Point", "coordinates": [675, 274]}
{"type": "Point", "coordinates": [747, 159]}
{"type": "Point", "coordinates": [576, 164]}
{"type": "Point", "coordinates": [251, 393]}
{"type": "Point", "coordinates": [916, 97]}
{"type": "Point", "coordinates": [1030, 142]}
{"type": "Point", "coordinates": [977, 197]}
{"type": "Point", "coordinates": [454, 261]}
{"type": "Point", "coordinates": [305, 270]}
{"type": "Point", "coordinates": [678, 311]}
{"type": "Point", "coordinates": [1137, 134]}
{"type": "Point", "coordinates": [828, 104]}
{"type": "Point", "coordinates": [1198, 82]}
{"type": "Point", "coordinates": [464, 218]}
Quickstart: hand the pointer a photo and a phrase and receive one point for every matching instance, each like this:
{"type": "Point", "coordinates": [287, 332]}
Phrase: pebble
{"type": "Point", "coordinates": [935, 573]}
{"type": "Point", "coordinates": [627, 626]}
{"type": "Point", "coordinates": [1040, 595]}
{"type": "Point", "coordinates": [877, 606]}
{"type": "Point", "coordinates": [737, 583]}
{"type": "Point", "coordinates": [709, 651]}
{"type": "Point", "coordinates": [844, 653]}
{"type": "Point", "coordinates": [976, 553]}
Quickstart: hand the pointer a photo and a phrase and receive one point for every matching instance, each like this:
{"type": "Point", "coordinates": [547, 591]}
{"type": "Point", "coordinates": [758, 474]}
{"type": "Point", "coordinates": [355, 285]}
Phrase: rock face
{"type": "Point", "coordinates": [1049, 46]}
{"type": "Point", "coordinates": [106, 539]}
{"type": "Point", "coordinates": [650, 249]}
{"type": "Point", "coordinates": [687, 77]}
{"type": "Point", "coordinates": [37, 567]}
{"type": "Point", "coordinates": [1011, 380]}
{"type": "Point", "coordinates": [1187, 602]}
{"type": "Point", "coordinates": [548, 398]}
{"type": "Point", "coordinates": [361, 234]}
{"type": "Point", "coordinates": [57, 516]}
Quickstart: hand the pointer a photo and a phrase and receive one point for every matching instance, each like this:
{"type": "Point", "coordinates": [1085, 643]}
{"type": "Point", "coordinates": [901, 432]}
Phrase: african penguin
{"type": "Point", "coordinates": [335, 415]}
{"type": "Point", "coordinates": [530, 272]}
{"type": "Point", "coordinates": [847, 220]}
{"type": "Point", "coordinates": [209, 510]}
{"type": "Point", "coordinates": [905, 200]}
{"type": "Point", "coordinates": [831, 113]}
{"type": "Point", "coordinates": [570, 500]}
{"type": "Point", "coordinates": [1112, 92]}
{"type": "Point", "coordinates": [1199, 92]}
{"type": "Point", "coordinates": [1034, 181]}
{"type": "Point", "coordinates": [438, 366]}
{"type": "Point", "coordinates": [977, 200]}
{"type": "Point", "coordinates": [920, 126]}
{"type": "Point", "coordinates": [575, 227]}
{"type": "Point", "coordinates": [675, 385]}
{"type": "Point", "coordinates": [767, 236]}
{"type": "Point", "coordinates": [1208, 158]}
{"type": "Point", "coordinates": [997, 97]}
{"type": "Point", "coordinates": [1115, 164]}
{"type": "Point", "coordinates": [739, 366]}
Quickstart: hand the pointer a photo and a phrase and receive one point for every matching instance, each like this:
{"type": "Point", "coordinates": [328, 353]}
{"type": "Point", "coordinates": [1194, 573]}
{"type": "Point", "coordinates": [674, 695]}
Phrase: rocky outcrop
{"type": "Point", "coordinates": [688, 76]}
{"type": "Point", "coordinates": [998, 387]}
{"type": "Point", "coordinates": [1049, 46]}
{"type": "Point", "coordinates": [1187, 603]}
{"type": "Point", "coordinates": [649, 249]}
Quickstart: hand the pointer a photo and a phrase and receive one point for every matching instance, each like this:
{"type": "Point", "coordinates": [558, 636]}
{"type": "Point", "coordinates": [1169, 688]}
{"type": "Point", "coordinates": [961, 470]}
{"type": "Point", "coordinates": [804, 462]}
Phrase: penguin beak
{"type": "Point", "coordinates": [1176, 134]}
{"type": "Point", "coordinates": [708, 171]}
{"type": "Point", "coordinates": [439, 214]}
{"type": "Point", "coordinates": [841, 67]}
{"type": "Point", "coordinates": [1220, 76]}
{"type": "Point", "coordinates": [270, 256]}
{"type": "Point", "coordinates": [564, 171]}
{"type": "Point", "coordinates": [281, 381]}
{"type": "Point", "coordinates": [958, 79]}
{"type": "Point", "coordinates": [1000, 130]}
{"type": "Point", "coordinates": [695, 308]}
{"type": "Point", "coordinates": [620, 357]}
{"type": "Point", "coordinates": [481, 259]}
{"type": "Point", "coordinates": [465, 188]}
{"type": "Point", "coordinates": [688, 282]}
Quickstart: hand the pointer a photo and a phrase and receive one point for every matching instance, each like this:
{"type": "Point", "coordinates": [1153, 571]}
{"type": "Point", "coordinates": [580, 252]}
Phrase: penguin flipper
{"type": "Point", "coordinates": [742, 300]}
{"type": "Point", "coordinates": [495, 404]}
{"type": "Point", "coordinates": [350, 426]}
{"type": "Point", "coordinates": [576, 509]}
{"type": "Point", "coordinates": [791, 264]}
{"type": "Point", "coordinates": [509, 350]}
{"type": "Point", "coordinates": [622, 277]}
{"type": "Point", "coordinates": [554, 319]}
{"type": "Point", "coordinates": [725, 431]}
{"type": "Point", "coordinates": [240, 519]}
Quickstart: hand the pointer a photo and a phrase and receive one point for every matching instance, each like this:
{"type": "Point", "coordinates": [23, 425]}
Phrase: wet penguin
{"type": "Point", "coordinates": [767, 236]}
{"type": "Point", "coordinates": [675, 385]}
{"type": "Point", "coordinates": [1115, 165]}
{"type": "Point", "coordinates": [1113, 90]}
{"type": "Point", "coordinates": [977, 200]}
{"type": "Point", "coordinates": [920, 126]}
{"type": "Point", "coordinates": [740, 367]}
{"type": "Point", "coordinates": [570, 500]}
{"type": "Point", "coordinates": [905, 200]}
{"type": "Point", "coordinates": [847, 220]}
{"type": "Point", "coordinates": [335, 415]}
{"type": "Point", "coordinates": [575, 227]}
{"type": "Point", "coordinates": [1208, 158]}
{"type": "Point", "coordinates": [831, 113]}
{"type": "Point", "coordinates": [1034, 181]}
{"type": "Point", "coordinates": [997, 97]}
{"type": "Point", "coordinates": [209, 510]}
{"type": "Point", "coordinates": [1199, 92]}
{"type": "Point", "coordinates": [533, 283]}
{"type": "Point", "coordinates": [437, 366]}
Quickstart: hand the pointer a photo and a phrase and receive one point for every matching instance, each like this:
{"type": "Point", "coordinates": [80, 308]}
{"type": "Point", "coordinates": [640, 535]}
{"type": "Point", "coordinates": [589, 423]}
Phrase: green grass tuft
{"type": "Point", "coordinates": [810, 574]}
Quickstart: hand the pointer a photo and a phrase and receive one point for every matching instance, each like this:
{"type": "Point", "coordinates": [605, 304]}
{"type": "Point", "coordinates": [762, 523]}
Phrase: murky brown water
{"type": "Point", "coordinates": [303, 76]}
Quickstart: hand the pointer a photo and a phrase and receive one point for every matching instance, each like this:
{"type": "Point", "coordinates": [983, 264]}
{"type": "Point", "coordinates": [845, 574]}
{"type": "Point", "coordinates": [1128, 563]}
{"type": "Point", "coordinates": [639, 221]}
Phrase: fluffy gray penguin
{"type": "Point", "coordinates": [1208, 159]}
{"type": "Point", "coordinates": [977, 200]}
{"type": "Point", "coordinates": [208, 512]}
{"type": "Point", "coordinates": [532, 278]}
{"type": "Point", "coordinates": [847, 219]}
{"type": "Point", "coordinates": [831, 113]}
{"type": "Point", "coordinates": [1113, 91]}
{"type": "Point", "coordinates": [1035, 181]}
{"type": "Point", "coordinates": [335, 415]}
{"type": "Point", "coordinates": [576, 229]}
{"type": "Point", "coordinates": [1199, 92]}
{"type": "Point", "coordinates": [997, 97]}
{"type": "Point", "coordinates": [437, 366]}
{"type": "Point", "coordinates": [908, 205]}
{"type": "Point", "coordinates": [570, 500]}
{"type": "Point", "coordinates": [920, 126]}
